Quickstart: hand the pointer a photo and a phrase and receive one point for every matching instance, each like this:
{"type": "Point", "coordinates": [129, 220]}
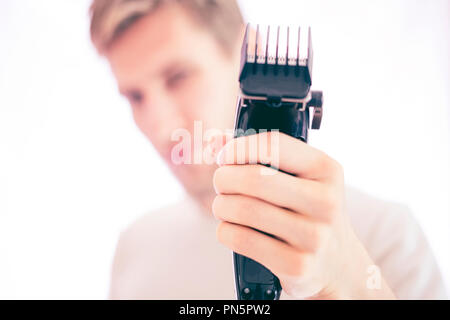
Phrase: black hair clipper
{"type": "Point", "coordinates": [275, 82]}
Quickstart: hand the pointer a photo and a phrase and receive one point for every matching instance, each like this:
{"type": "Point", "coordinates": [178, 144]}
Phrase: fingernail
{"type": "Point", "coordinates": [220, 160]}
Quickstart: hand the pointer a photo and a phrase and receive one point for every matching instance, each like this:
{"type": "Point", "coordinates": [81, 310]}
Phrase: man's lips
{"type": "Point", "coordinates": [197, 154]}
{"type": "Point", "coordinates": [168, 154]}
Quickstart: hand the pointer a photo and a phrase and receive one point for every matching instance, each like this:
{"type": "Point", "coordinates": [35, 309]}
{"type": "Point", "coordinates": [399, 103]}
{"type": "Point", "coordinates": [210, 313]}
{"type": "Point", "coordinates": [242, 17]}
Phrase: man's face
{"type": "Point", "coordinates": [174, 73]}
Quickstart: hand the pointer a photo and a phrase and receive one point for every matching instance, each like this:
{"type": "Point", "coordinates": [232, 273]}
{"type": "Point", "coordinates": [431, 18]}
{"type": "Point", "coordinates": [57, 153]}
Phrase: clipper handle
{"type": "Point", "coordinates": [253, 280]}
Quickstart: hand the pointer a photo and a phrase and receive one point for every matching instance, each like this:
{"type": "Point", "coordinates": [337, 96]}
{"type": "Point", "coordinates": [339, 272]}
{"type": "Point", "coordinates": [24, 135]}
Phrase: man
{"type": "Point", "coordinates": [177, 62]}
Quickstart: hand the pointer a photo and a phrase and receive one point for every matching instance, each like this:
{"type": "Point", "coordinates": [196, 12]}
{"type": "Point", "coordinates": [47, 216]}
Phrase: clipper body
{"type": "Point", "coordinates": [275, 82]}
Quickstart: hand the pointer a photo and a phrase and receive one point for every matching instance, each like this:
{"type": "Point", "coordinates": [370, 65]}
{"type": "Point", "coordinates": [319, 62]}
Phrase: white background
{"type": "Point", "coordinates": [74, 170]}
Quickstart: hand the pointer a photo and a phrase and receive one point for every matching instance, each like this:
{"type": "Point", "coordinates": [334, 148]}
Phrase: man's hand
{"type": "Point", "coordinates": [314, 251]}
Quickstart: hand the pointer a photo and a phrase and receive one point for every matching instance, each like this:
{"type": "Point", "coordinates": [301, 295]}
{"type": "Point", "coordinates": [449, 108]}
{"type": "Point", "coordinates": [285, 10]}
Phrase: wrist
{"type": "Point", "coordinates": [358, 278]}
{"type": "Point", "coordinates": [363, 279]}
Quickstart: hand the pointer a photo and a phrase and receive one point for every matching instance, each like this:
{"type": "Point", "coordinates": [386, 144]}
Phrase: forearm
{"type": "Point", "coordinates": [360, 279]}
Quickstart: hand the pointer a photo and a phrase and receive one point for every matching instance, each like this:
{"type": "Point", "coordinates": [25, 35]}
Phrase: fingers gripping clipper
{"type": "Point", "coordinates": [275, 82]}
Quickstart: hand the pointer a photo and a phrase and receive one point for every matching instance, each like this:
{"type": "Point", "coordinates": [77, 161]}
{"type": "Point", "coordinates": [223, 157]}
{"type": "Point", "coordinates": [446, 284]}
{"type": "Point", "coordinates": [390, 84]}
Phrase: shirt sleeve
{"type": "Point", "coordinates": [402, 252]}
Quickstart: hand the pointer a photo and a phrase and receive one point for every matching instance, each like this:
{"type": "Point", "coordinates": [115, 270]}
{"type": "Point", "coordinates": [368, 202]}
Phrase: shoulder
{"type": "Point", "coordinates": [397, 244]}
{"type": "Point", "coordinates": [372, 216]}
{"type": "Point", "coordinates": [176, 216]}
{"type": "Point", "coordinates": [143, 247]}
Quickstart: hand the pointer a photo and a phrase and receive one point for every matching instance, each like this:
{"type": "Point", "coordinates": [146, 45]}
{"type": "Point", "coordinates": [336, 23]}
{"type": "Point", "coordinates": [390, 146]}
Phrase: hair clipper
{"type": "Point", "coordinates": [275, 82]}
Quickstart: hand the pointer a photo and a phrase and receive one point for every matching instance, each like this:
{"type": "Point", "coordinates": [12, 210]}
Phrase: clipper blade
{"type": "Point", "coordinates": [276, 61]}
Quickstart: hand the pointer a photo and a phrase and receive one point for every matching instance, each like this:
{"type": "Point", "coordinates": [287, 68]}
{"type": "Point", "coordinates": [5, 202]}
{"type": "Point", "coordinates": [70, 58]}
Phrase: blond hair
{"type": "Point", "coordinates": [109, 18]}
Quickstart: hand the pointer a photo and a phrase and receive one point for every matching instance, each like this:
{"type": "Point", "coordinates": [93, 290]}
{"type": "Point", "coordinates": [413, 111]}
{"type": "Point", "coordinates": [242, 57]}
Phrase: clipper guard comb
{"type": "Point", "coordinates": [275, 81]}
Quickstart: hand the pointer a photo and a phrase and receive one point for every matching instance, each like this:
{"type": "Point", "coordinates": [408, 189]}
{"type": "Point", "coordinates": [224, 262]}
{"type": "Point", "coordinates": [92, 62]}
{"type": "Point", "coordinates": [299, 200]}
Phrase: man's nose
{"type": "Point", "coordinates": [164, 117]}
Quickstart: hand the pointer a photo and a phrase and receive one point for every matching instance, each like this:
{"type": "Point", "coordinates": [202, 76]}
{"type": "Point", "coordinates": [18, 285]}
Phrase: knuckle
{"type": "Point", "coordinates": [330, 166]}
{"type": "Point", "coordinates": [336, 169]}
{"type": "Point", "coordinates": [330, 203]}
{"type": "Point", "coordinates": [322, 161]}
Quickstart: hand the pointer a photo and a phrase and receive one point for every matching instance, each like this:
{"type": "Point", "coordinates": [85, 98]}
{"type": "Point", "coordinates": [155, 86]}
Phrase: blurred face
{"type": "Point", "coordinates": [175, 74]}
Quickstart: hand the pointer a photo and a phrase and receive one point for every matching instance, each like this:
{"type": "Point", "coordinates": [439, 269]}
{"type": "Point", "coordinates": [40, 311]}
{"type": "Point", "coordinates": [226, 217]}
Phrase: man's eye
{"type": "Point", "coordinates": [176, 79]}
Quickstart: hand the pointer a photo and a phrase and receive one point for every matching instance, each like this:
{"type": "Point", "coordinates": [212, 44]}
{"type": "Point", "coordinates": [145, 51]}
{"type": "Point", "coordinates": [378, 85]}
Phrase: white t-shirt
{"type": "Point", "coordinates": [173, 253]}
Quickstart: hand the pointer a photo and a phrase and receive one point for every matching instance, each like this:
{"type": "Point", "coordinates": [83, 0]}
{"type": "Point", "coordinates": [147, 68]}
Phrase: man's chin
{"type": "Point", "coordinates": [198, 183]}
